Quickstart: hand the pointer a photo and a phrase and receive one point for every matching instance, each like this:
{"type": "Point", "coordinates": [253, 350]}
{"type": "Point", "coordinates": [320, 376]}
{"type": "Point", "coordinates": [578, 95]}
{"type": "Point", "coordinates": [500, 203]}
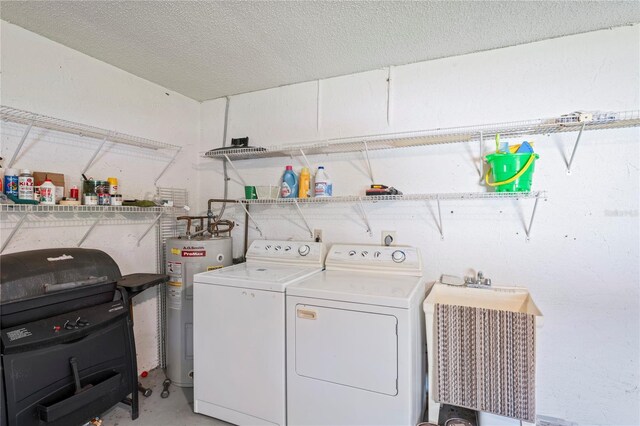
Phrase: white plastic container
{"type": "Point", "coordinates": [323, 186]}
{"type": "Point", "coordinates": [25, 185]}
{"type": "Point", "coordinates": [48, 193]}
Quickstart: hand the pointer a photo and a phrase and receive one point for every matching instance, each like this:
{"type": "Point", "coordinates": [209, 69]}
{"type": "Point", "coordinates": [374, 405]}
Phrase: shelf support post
{"type": "Point", "coordinates": [86, 234]}
{"type": "Point", "coordinates": [237, 172]}
{"type": "Point", "coordinates": [175, 155]}
{"type": "Point", "coordinates": [93, 157]}
{"type": "Point", "coordinates": [305, 159]}
{"type": "Point", "coordinates": [251, 217]}
{"type": "Point", "coordinates": [144, 234]}
{"type": "Point", "coordinates": [303, 218]}
{"type": "Point", "coordinates": [19, 147]}
{"type": "Point", "coordinates": [533, 215]}
{"type": "Point", "coordinates": [364, 215]}
{"type": "Point", "coordinates": [13, 232]}
{"type": "Point", "coordinates": [440, 219]}
{"type": "Point", "coordinates": [575, 147]}
{"type": "Point", "coordinates": [366, 153]}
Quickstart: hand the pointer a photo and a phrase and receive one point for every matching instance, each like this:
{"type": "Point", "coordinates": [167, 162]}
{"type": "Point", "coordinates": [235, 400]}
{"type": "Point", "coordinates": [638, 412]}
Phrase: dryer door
{"type": "Point", "coordinates": [346, 347]}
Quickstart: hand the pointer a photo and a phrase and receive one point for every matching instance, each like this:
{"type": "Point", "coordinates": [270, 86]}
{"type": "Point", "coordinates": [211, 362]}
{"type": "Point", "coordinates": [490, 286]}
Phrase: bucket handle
{"type": "Point", "coordinates": [528, 164]}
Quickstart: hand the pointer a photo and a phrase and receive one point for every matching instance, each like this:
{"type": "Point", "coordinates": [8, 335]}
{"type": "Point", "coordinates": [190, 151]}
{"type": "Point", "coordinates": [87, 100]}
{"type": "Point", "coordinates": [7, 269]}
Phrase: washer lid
{"type": "Point", "coordinates": [396, 291]}
{"type": "Point", "coordinates": [256, 275]}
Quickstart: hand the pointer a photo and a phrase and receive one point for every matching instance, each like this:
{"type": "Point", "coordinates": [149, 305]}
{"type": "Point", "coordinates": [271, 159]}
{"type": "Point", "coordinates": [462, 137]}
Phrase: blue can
{"type": "Point", "coordinates": [10, 186]}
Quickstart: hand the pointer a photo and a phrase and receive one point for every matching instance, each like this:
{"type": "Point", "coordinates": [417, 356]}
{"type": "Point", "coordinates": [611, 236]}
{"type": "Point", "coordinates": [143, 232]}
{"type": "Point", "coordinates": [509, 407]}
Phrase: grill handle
{"type": "Point", "coordinates": [50, 288]}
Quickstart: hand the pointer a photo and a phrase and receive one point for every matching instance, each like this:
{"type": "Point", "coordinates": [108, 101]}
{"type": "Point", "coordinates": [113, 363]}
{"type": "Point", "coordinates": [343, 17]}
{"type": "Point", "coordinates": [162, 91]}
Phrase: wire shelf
{"type": "Point", "coordinates": [564, 124]}
{"type": "Point", "coordinates": [36, 208]}
{"type": "Point", "coordinates": [45, 122]}
{"type": "Point", "coordinates": [407, 197]}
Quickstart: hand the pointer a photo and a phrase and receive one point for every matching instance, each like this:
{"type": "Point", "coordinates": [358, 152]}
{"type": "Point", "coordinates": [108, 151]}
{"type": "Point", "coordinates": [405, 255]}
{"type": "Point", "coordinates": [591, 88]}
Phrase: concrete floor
{"type": "Point", "coordinates": [176, 410]}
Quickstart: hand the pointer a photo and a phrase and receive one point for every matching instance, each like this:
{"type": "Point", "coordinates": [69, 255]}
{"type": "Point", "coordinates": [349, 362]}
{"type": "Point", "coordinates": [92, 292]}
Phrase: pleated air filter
{"type": "Point", "coordinates": [486, 360]}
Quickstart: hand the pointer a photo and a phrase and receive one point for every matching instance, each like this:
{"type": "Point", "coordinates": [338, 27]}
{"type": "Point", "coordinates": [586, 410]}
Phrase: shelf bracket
{"type": "Point", "coordinates": [575, 147]}
{"type": "Point", "coordinates": [364, 215]}
{"type": "Point", "coordinates": [13, 232]}
{"type": "Point", "coordinates": [144, 234]}
{"type": "Point", "coordinates": [237, 172]}
{"type": "Point", "coordinates": [303, 218]}
{"type": "Point", "coordinates": [533, 215]}
{"type": "Point", "coordinates": [251, 217]}
{"type": "Point", "coordinates": [19, 147]}
{"type": "Point", "coordinates": [306, 160]}
{"type": "Point", "coordinates": [155, 182]}
{"type": "Point", "coordinates": [366, 153]}
{"type": "Point", "coordinates": [440, 220]}
{"type": "Point", "coordinates": [93, 157]}
{"type": "Point", "coordinates": [86, 234]}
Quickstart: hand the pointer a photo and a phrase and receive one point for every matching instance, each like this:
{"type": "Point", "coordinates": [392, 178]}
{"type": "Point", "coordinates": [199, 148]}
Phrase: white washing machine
{"type": "Point", "coordinates": [355, 340]}
{"type": "Point", "coordinates": [239, 332]}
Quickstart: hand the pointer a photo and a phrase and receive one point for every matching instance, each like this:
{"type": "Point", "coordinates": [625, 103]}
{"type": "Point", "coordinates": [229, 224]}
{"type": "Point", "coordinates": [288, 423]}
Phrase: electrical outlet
{"type": "Point", "coordinates": [317, 235]}
{"type": "Point", "coordinates": [388, 238]}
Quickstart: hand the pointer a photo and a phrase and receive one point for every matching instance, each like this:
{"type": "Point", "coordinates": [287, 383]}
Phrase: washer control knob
{"type": "Point", "coordinates": [364, 253]}
{"type": "Point", "coordinates": [398, 256]}
{"type": "Point", "coordinates": [267, 247]}
{"type": "Point", "coordinates": [304, 250]}
{"type": "Point", "coordinates": [352, 253]}
{"type": "Point", "coordinates": [278, 248]}
{"type": "Point", "coordinates": [287, 248]}
{"type": "Point", "coordinates": [377, 254]}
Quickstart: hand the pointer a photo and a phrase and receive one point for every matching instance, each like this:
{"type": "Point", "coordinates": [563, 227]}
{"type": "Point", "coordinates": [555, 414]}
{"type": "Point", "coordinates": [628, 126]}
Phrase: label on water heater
{"type": "Point", "coordinates": [174, 268]}
{"type": "Point", "coordinates": [191, 251]}
{"type": "Point", "coordinates": [174, 296]}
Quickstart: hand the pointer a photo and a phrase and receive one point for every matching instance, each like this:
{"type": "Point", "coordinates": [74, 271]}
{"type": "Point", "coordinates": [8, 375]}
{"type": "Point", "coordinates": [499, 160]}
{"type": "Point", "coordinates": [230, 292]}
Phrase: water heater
{"type": "Point", "coordinates": [185, 257]}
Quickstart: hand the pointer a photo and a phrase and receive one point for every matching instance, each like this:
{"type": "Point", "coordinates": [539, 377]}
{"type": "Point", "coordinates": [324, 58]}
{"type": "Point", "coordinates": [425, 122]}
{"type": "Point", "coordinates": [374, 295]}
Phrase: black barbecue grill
{"type": "Point", "coordinates": [68, 350]}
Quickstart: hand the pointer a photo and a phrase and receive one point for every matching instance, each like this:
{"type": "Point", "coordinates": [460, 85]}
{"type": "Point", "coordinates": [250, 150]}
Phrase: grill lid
{"type": "Point", "coordinates": [34, 273]}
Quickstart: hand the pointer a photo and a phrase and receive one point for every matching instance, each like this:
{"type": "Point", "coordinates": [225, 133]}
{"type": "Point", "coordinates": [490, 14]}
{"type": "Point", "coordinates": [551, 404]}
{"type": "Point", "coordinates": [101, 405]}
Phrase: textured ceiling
{"type": "Point", "coordinates": [205, 50]}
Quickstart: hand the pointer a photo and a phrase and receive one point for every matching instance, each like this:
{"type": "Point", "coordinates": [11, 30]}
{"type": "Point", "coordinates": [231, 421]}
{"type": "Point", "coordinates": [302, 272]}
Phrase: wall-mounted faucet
{"type": "Point", "coordinates": [479, 282]}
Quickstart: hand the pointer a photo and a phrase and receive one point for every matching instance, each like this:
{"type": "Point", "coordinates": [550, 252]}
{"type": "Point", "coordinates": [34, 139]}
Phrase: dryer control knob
{"type": "Point", "coordinates": [304, 250]}
{"type": "Point", "coordinates": [398, 256]}
{"type": "Point", "coordinates": [352, 253]}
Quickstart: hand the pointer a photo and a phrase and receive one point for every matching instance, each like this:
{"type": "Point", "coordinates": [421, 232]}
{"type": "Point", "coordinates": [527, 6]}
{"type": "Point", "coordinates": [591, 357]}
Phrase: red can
{"type": "Point", "coordinates": [74, 193]}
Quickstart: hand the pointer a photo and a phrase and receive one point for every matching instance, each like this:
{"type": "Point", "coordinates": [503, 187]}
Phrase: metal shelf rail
{"type": "Point", "coordinates": [614, 120]}
{"type": "Point", "coordinates": [30, 119]}
{"type": "Point", "coordinates": [361, 200]}
{"type": "Point", "coordinates": [97, 212]}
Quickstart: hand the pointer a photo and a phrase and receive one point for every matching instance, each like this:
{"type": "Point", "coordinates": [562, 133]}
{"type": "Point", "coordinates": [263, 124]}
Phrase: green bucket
{"type": "Point", "coordinates": [511, 172]}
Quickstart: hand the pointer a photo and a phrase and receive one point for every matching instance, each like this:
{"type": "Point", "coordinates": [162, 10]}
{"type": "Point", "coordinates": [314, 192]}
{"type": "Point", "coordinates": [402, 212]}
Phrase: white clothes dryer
{"type": "Point", "coordinates": [239, 332]}
{"type": "Point", "coordinates": [355, 340]}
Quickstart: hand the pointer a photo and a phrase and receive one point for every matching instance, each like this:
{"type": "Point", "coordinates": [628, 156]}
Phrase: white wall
{"type": "Point", "coordinates": [42, 76]}
{"type": "Point", "coordinates": [581, 263]}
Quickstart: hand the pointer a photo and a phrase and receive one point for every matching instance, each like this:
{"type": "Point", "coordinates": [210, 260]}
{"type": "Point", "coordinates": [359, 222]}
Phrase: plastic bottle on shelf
{"type": "Point", "coordinates": [11, 182]}
{"type": "Point", "coordinates": [48, 193]}
{"type": "Point", "coordinates": [323, 186]}
{"type": "Point", "coordinates": [304, 183]}
{"type": "Point", "coordinates": [25, 185]}
{"type": "Point", "coordinates": [289, 185]}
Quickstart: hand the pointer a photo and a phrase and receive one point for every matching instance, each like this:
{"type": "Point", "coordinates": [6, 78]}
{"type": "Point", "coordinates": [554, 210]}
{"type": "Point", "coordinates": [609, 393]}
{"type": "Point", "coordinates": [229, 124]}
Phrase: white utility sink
{"type": "Point", "coordinates": [512, 299]}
